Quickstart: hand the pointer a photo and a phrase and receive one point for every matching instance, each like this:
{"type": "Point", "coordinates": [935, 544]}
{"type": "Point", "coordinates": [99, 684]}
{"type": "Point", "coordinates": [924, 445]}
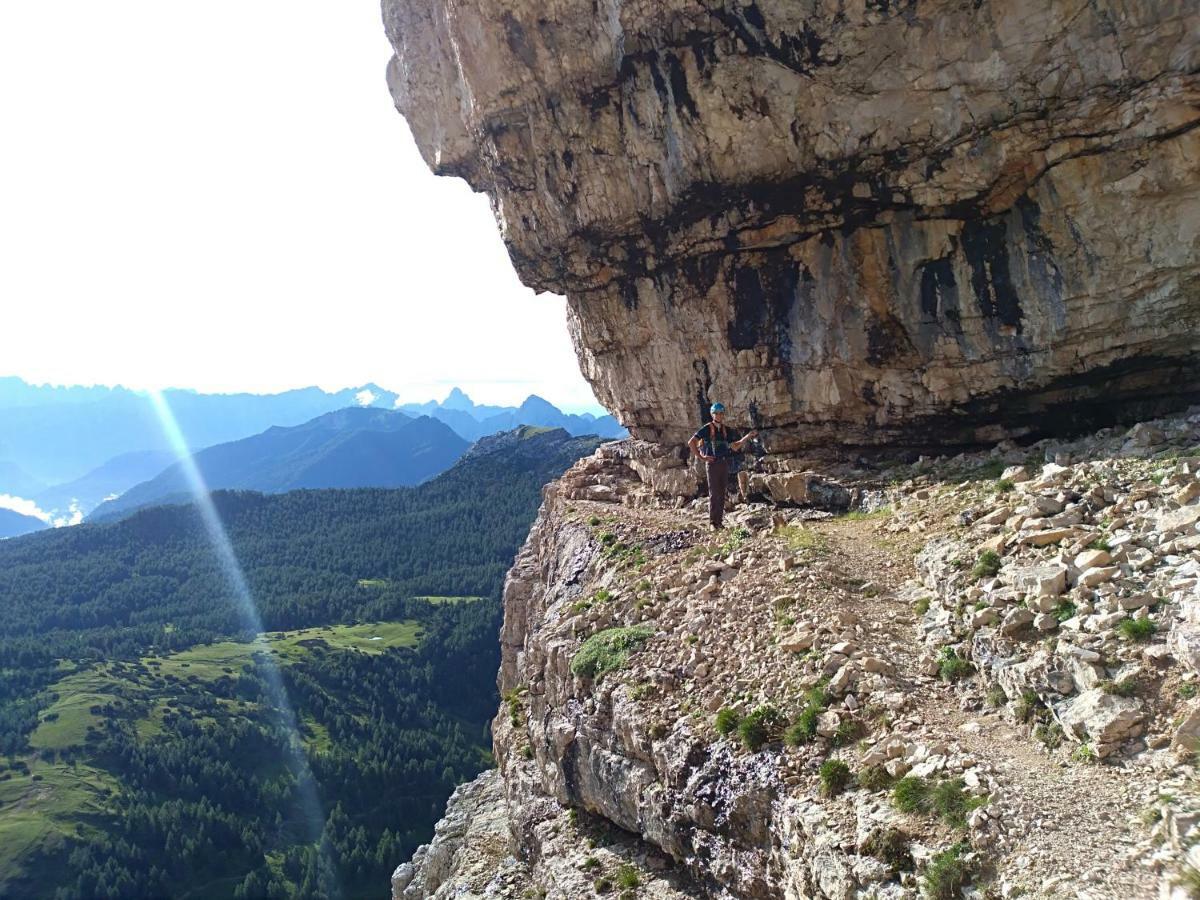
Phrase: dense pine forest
{"type": "Point", "coordinates": [153, 744]}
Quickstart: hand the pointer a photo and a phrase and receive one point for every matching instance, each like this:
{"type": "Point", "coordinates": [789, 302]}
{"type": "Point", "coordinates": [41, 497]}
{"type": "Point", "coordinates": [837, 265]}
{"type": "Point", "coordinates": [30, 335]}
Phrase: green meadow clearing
{"type": "Point", "coordinates": [55, 792]}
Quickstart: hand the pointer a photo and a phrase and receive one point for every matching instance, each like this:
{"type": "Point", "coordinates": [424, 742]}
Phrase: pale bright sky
{"type": "Point", "coordinates": [221, 196]}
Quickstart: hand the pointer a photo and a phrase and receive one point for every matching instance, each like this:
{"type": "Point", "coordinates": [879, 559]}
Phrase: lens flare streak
{"type": "Point", "coordinates": [247, 609]}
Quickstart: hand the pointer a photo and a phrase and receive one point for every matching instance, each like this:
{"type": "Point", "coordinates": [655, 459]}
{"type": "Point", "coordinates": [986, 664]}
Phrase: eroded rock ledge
{"type": "Point", "coordinates": [891, 221]}
{"type": "Point", "coordinates": [1016, 631]}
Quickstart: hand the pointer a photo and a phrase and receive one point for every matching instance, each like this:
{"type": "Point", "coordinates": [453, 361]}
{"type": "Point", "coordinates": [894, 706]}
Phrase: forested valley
{"type": "Point", "coordinates": [158, 737]}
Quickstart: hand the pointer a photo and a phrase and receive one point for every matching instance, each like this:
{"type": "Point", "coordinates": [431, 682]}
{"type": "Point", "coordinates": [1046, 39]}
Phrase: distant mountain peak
{"type": "Point", "coordinates": [457, 399]}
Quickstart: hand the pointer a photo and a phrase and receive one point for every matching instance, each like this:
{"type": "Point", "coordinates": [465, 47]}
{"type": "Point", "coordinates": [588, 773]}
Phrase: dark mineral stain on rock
{"type": "Point", "coordinates": [985, 245]}
{"type": "Point", "coordinates": [939, 295]}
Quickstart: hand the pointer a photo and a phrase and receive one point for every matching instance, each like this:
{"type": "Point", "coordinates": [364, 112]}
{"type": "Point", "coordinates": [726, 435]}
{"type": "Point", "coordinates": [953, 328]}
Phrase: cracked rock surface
{"type": "Point", "coordinates": [866, 221]}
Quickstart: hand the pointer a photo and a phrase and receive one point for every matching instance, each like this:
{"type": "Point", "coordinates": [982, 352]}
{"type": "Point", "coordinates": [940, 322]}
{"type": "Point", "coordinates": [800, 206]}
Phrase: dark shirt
{"type": "Point", "coordinates": [717, 439]}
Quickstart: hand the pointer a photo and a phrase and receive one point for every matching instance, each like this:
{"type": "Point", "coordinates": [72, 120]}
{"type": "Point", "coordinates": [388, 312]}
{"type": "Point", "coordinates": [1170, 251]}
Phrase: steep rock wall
{"type": "Point", "coordinates": [865, 222]}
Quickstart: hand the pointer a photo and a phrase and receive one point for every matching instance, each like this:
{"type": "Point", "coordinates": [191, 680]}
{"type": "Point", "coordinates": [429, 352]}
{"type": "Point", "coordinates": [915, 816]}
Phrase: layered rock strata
{"type": "Point", "coordinates": [866, 222]}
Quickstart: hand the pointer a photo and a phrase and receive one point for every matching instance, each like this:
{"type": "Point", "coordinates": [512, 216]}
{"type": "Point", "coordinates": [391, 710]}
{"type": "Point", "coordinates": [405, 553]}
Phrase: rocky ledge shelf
{"type": "Point", "coordinates": [988, 684]}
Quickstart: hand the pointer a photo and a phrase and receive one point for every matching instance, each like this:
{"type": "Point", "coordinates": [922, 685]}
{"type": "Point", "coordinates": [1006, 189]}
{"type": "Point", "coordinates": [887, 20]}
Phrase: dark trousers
{"type": "Point", "coordinates": [718, 484]}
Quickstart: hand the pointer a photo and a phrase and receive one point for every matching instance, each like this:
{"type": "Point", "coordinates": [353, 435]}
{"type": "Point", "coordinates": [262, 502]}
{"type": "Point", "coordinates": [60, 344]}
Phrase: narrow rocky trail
{"type": "Point", "coordinates": [1072, 829]}
{"type": "Point", "coordinates": [1066, 829]}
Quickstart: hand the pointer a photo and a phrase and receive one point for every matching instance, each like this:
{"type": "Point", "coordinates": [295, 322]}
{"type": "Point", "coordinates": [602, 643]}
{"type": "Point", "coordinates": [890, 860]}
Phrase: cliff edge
{"type": "Point", "coordinates": [988, 683]}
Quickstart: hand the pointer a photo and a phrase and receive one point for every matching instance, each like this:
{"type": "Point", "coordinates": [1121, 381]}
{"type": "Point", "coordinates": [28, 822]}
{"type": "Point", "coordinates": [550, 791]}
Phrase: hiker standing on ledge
{"type": "Point", "coordinates": [716, 443]}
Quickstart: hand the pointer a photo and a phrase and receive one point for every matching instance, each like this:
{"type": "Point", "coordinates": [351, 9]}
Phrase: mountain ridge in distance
{"type": "Point", "coordinates": [348, 448]}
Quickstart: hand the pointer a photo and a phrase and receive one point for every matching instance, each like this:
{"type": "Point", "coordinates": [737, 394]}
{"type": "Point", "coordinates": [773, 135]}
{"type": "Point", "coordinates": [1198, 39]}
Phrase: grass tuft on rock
{"type": "Point", "coordinates": [952, 667]}
{"type": "Point", "coordinates": [874, 778]}
{"type": "Point", "coordinates": [911, 794]}
{"type": "Point", "coordinates": [627, 876]}
{"type": "Point", "coordinates": [1139, 630]}
{"type": "Point", "coordinates": [759, 727]}
{"type": "Point", "coordinates": [988, 565]}
{"type": "Point", "coordinates": [835, 777]}
{"type": "Point", "coordinates": [727, 721]}
{"type": "Point", "coordinates": [891, 845]}
{"type": "Point", "coordinates": [607, 650]}
{"type": "Point", "coordinates": [947, 874]}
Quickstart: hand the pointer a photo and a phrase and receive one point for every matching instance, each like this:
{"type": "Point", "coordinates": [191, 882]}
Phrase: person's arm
{"type": "Point", "coordinates": [696, 445]}
{"type": "Point", "coordinates": [741, 442]}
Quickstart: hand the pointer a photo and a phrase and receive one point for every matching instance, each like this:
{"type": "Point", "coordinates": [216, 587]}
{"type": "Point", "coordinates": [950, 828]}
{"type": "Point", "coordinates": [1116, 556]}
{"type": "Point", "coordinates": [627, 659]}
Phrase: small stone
{"type": "Point", "coordinates": [828, 723]}
{"type": "Point", "coordinates": [1016, 621]}
{"type": "Point", "coordinates": [797, 642]}
{"type": "Point", "coordinates": [1090, 559]}
{"type": "Point", "coordinates": [1047, 537]}
{"type": "Point", "coordinates": [1045, 622]}
{"type": "Point", "coordinates": [1093, 577]}
{"type": "Point", "coordinates": [1041, 581]}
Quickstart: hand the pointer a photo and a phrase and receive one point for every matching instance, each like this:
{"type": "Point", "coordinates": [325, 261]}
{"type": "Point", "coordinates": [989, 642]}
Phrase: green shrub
{"type": "Point", "coordinates": [1126, 687]}
{"type": "Point", "coordinates": [1084, 754]}
{"type": "Point", "coordinates": [590, 863]}
{"type": "Point", "coordinates": [1139, 630]}
{"type": "Point", "coordinates": [911, 794]}
{"type": "Point", "coordinates": [641, 692]}
{"type": "Point", "coordinates": [627, 877]}
{"type": "Point", "coordinates": [1005, 485]}
{"type": "Point", "coordinates": [1049, 734]}
{"type": "Point", "coordinates": [602, 596]}
{"type": "Point", "coordinates": [758, 727]}
{"type": "Point", "coordinates": [892, 847]}
{"type": "Point", "coordinates": [816, 696]}
{"type": "Point", "coordinates": [727, 721]}
{"type": "Point", "coordinates": [607, 538]}
{"type": "Point", "coordinates": [1065, 610]}
{"type": "Point", "coordinates": [607, 650]}
{"type": "Point", "coordinates": [835, 777]}
{"type": "Point", "coordinates": [996, 696]}
{"type": "Point", "coordinates": [1187, 690]}
{"type": "Point", "coordinates": [988, 565]}
{"type": "Point", "coordinates": [921, 606]}
{"type": "Point", "coordinates": [848, 731]}
{"type": "Point", "coordinates": [803, 730]}
{"type": "Point", "coordinates": [874, 778]}
{"type": "Point", "coordinates": [947, 874]}
{"type": "Point", "coordinates": [949, 803]}
{"type": "Point", "coordinates": [602, 885]}
{"type": "Point", "coordinates": [594, 521]}
{"type": "Point", "coordinates": [951, 666]}
{"type": "Point", "coordinates": [1027, 705]}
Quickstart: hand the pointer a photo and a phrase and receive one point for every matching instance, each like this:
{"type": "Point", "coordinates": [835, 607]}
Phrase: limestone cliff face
{"type": "Point", "coordinates": [866, 221]}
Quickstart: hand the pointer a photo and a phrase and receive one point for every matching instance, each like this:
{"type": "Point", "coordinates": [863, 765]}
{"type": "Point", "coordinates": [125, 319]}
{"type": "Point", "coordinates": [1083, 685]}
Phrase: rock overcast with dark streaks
{"type": "Point", "coordinates": [867, 222]}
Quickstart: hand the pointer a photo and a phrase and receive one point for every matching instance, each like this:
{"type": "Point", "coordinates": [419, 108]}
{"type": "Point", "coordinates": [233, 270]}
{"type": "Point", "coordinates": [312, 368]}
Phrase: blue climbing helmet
{"type": "Point", "coordinates": [716, 408]}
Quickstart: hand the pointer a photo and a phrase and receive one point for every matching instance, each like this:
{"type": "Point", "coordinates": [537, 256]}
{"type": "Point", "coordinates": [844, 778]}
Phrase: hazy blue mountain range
{"type": "Point", "coordinates": [348, 448]}
{"type": "Point", "coordinates": [473, 422]}
{"type": "Point", "coordinates": [113, 478]}
{"type": "Point", "coordinates": [14, 524]}
{"type": "Point", "coordinates": [70, 448]}
{"type": "Point", "coordinates": [59, 434]}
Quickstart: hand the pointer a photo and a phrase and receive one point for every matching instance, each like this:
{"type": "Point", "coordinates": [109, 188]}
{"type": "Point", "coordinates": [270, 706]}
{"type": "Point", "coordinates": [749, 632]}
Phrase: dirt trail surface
{"type": "Point", "coordinates": [1071, 829]}
{"type": "Point", "coordinates": [1062, 828]}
